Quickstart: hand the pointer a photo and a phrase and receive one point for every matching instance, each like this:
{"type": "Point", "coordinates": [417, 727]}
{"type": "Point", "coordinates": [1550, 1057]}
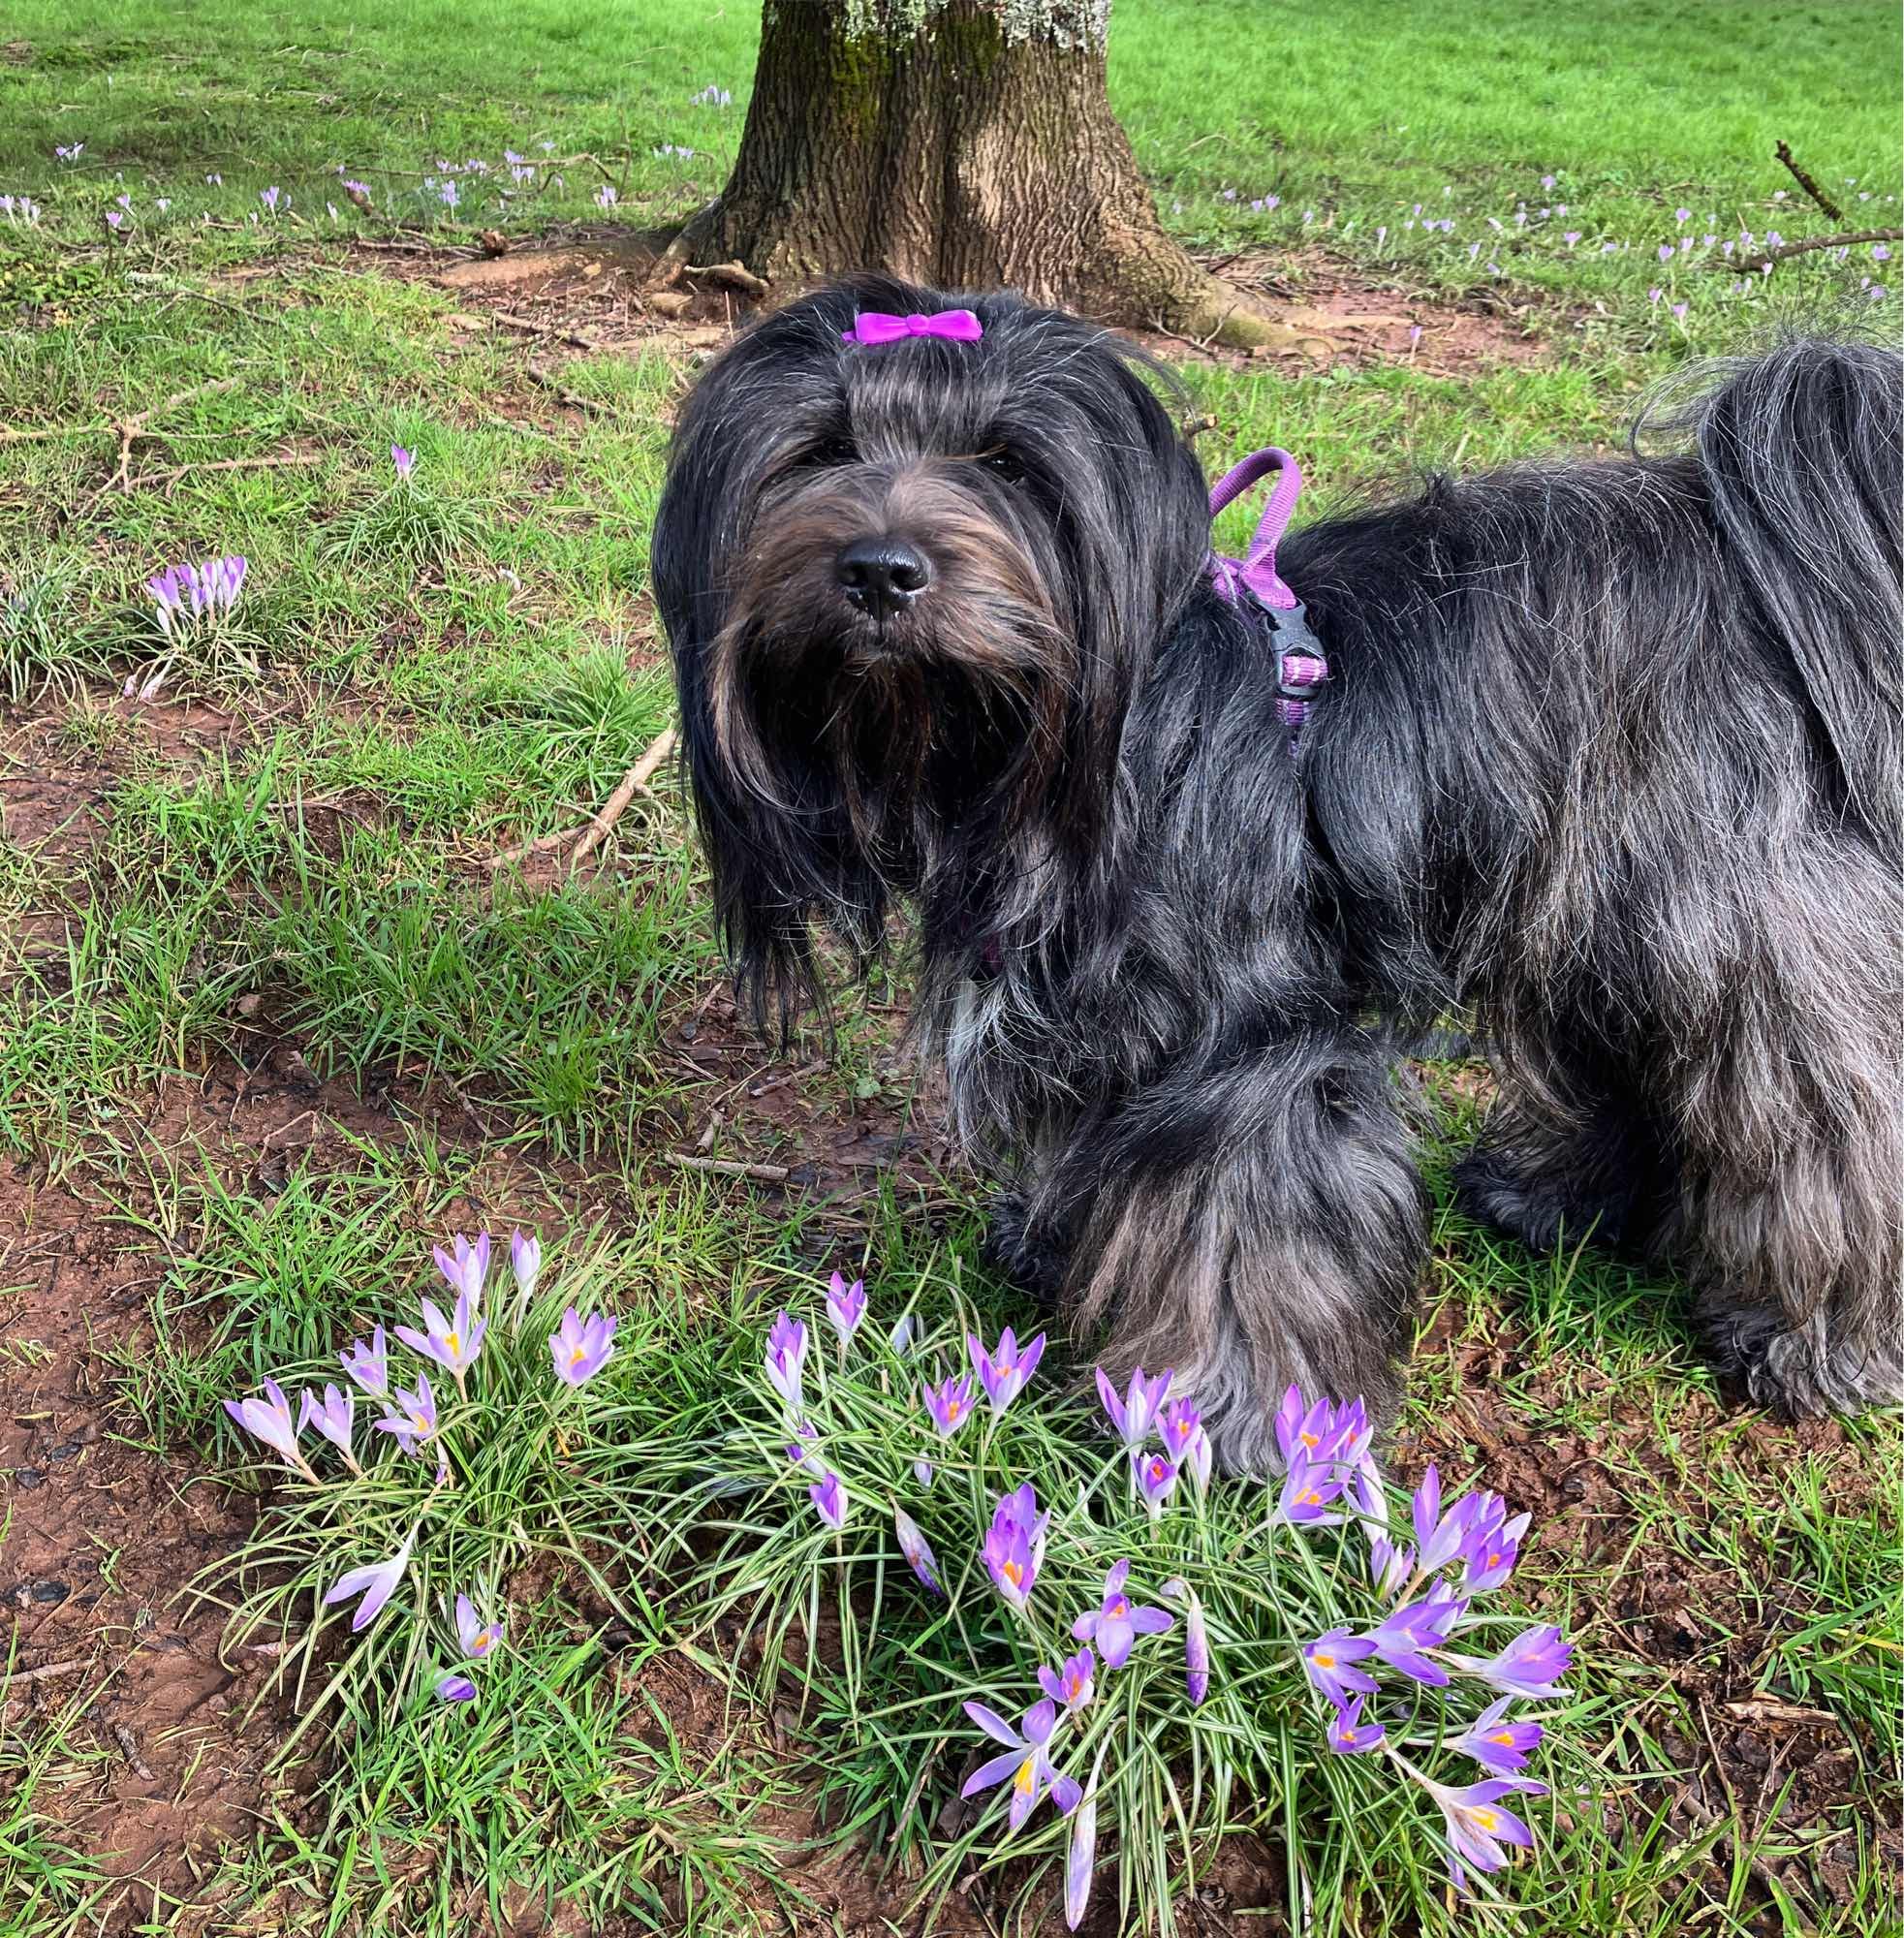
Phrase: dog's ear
{"type": "Point", "coordinates": [779, 859]}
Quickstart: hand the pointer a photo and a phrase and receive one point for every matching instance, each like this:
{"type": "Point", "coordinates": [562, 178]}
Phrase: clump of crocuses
{"type": "Point", "coordinates": [420, 1421]}
{"type": "Point", "coordinates": [1299, 1607]}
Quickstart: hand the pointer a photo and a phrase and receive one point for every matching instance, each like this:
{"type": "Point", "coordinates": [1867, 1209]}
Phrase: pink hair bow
{"type": "Point", "coordinates": [876, 327]}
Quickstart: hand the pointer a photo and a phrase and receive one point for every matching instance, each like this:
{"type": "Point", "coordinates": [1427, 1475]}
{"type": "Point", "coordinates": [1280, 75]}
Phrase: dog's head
{"type": "Point", "coordinates": [911, 587]}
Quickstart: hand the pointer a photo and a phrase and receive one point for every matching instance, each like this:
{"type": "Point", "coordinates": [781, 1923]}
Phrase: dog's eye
{"type": "Point", "coordinates": [828, 454]}
{"type": "Point", "coordinates": [1003, 466]}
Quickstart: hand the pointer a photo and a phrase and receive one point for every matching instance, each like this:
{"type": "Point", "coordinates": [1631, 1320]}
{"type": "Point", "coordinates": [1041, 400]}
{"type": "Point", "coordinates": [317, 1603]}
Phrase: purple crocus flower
{"type": "Point", "coordinates": [405, 460]}
{"type": "Point", "coordinates": [369, 1365]}
{"type": "Point", "coordinates": [1133, 1415]}
{"type": "Point", "coordinates": [1081, 1854]}
{"type": "Point", "coordinates": [452, 1342]}
{"type": "Point", "coordinates": [476, 1636]}
{"type": "Point", "coordinates": [1155, 1479]}
{"type": "Point", "coordinates": [1331, 1660]}
{"type": "Point", "coordinates": [377, 1584]}
{"type": "Point", "coordinates": [1026, 1762]}
{"type": "Point", "coordinates": [950, 1403]}
{"type": "Point", "coordinates": [1496, 1744]}
{"type": "Point", "coordinates": [1348, 1735]}
{"type": "Point", "coordinates": [1322, 1431]}
{"type": "Point", "coordinates": [1307, 1491]}
{"type": "Point", "coordinates": [918, 1551]}
{"type": "Point", "coordinates": [1478, 1826]}
{"type": "Point", "coordinates": [69, 154]}
{"type": "Point", "coordinates": [1400, 1640]}
{"type": "Point", "coordinates": [1531, 1665]}
{"type": "Point", "coordinates": [1177, 1426]}
{"type": "Point", "coordinates": [413, 1418]}
{"type": "Point", "coordinates": [803, 1449]}
{"type": "Point", "coordinates": [1116, 1625]}
{"type": "Point", "coordinates": [1199, 1457]}
{"type": "Point", "coordinates": [1196, 1651]}
{"type": "Point", "coordinates": [113, 218]}
{"type": "Point", "coordinates": [1488, 1554]}
{"type": "Point", "coordinates": [467, 1265]}
{"type": "Point", "coordinates": [1070, 1686]}
{"type": "Point", "coordinates": [270, 1420]}
{"type": "Point", "coordinates": [333, 1419]}
{"type": "Point", "coordinates": [606, 196]}
{"type": "Point", "coordinates": [829, 1501]}
{"type": "Point", "coordinates": [786, 1353]}
{"type": "Point", "coordinates": [1389, 1568]}
{"type": "Point", "coordinates": [1013, 1547]}
{"type": "Point", "coordinates": [269, 197]}
{"type": "Point", "coordinates": [455, 1688]}
{"type": "Point", "coordinates": [846, 1306]}
{"type": "Point", "coordinates": [1002, 1373]}
{"type": "Point", "coordinates": [1572, 236]}
{"type": "Point", "coordinates": [582, 1347]}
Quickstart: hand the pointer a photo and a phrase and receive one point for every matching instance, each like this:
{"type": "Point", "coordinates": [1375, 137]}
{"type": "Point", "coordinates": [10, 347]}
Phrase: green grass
{"type": "Point", "coordinates": [421, 676]}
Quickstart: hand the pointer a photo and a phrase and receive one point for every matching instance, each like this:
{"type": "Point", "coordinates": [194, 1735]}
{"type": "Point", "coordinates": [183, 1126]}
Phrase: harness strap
{"type": "Point", "coordinates": [1301, 667]}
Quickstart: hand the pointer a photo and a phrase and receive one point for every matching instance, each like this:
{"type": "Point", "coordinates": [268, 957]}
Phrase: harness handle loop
{"type": "Point", "coordinates": [1256, 569]}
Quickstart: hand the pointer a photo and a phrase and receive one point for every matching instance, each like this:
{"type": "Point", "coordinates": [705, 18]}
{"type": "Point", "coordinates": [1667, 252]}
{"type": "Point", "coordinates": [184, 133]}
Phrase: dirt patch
{"type": "Point", "coordinates": [159, 1759]}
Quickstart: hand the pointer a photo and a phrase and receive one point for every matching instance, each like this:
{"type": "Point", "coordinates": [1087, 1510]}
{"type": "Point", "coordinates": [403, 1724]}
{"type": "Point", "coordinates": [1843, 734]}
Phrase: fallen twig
{"type": "Point", "coordinates": [589, 835]}
{"type": "Point", "coordinates": [1805, 182]}
{"type": "Point", "coordinates": [147, 480]}
{"type": "Point", "coordinates": [728, 1167]}
{"type": "Point", "coordinates": [551, 330]}
{"type": "Point", "coordinates": [1748, 259]}
{"type": "Point", "coordinates": [135, 427]}
{"type": "Point", "coordinates": [21, 1676]}
{"type": "Point", "coordinates": [737, 275]}
{"type": "Point", "coordinates": [573, 399]}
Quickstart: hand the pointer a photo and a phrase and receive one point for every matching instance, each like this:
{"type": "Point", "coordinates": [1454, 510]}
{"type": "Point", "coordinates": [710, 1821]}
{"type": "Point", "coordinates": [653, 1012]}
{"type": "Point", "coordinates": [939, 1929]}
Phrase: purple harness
{"type": "Point", "coordinates": [1301, 667]}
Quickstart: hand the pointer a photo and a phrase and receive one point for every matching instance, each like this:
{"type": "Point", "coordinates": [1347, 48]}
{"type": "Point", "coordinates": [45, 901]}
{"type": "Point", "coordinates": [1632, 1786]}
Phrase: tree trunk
{"type": "Point", "coordinates": [964, 142]}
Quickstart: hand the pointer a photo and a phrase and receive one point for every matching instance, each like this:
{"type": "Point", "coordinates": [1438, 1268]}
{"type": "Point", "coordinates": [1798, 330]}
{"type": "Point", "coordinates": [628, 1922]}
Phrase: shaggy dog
{"type": "Point", "coordinates": [1608, 763]}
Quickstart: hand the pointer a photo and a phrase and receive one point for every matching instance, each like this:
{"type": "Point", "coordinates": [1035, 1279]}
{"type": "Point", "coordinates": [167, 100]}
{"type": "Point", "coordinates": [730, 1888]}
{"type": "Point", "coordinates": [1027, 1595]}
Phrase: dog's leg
{"type": "Point", "coordinates": [1569, 1163]}
{"type": "Point", "coordinates": [1250, 1225]}
{"type": "Point", "coordinates": [1029, 1251]}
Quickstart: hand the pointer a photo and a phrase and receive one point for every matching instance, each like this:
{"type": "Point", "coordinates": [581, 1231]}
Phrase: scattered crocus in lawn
{"type": "Point", "coordinates": [1117, 1624]}
{"type": "Point", "coordinates": [455, 1688]}
{"type": "Point", "coordinates": [786, 1353]}
{"type": "Point", "coordinates": [1155, 1479]}
{"type": "Point", "coordinates": [465, 1265]}
{"type": "Point", "coordinates": [846, 1306]}
{"type": "Point", "coordinates": [184, 594]}
{"type": "Point", "coordinates": [1177, 1426]}
{"type": "Point", "coordinates": [1495, 1743]}
{"type": "Point", "coordinates": [1531, 1665]}
{"type": "Point", "coordinates": [1348, 1733]}
{"type": "Point", "coordinates": [413, 1418]}
{"type": "Point", "coordinates": [1400, 1638]}
{"type": "Point", "coordinates": [918, 1551]}
{"type": "Point", "coordinates": [72, 153]}
{"type": "Point", "coordinates": [376, 1584]}
{"type": "Point", "coordinates": [357, 194]}
{"type": "Point", "coordinates": [1071, 1685]}
{"type": "Point", "coordinates": [449, 194]}
{"type": "Point", "coordinates": [1571, 237]}
{"type": "Point", "coordinates": [270, 196]}
{"type": "Point", "coordinates": [713, 96]}
{"type": "Point", "coordinates": [369, 1365]}
{"type": "Point", "coordinates": [1479, 1826]}
{"type": "Point", "coordinates": [270, 1420]}
{"type": "Point", "coordinates": [113, 218]}
{"type": "Point", "coordinates": [452, 1342]}
{"type": "Point", "coordinates": [1080, 1854]}
{"type": "Point", "coordinates": [1134, 1413]}
{"type": "Point", "coordinates": [1014, 1548]}
{"type": "Point", "coordinates": [1026, 1761]}
{"type": "Point", "coordinates": [830, 1502]}
{"type": "Point", "coordinates": [950, 1403]}
{"type": "Point", "coordinates": [582, 1347]}
{"type": "Point", "coordinates": [476, 1636]}
{"type": "Point", "coordinates": [334, 1418]}
{"type": "Point", "coordinates": [606, 196]}
{"type": "Point", "coordinates": [405, 461]}
{"type": "Point", "coordinates": [1002, 1373]}
{"type": "Point", "coordinates": [1331, 1660]}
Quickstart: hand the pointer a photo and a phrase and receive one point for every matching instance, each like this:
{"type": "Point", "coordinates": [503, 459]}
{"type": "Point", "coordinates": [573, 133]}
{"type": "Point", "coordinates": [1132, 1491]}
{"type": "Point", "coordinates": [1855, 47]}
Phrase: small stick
{"type": "Point", "coordinates": [1748, 259]}
{"type": "Point", "coordinates": [563, 395]}
{"type": "Point", "coordinates": [635, 781]}
{"type": "Point", "coordinates": [128, 1742]}
{"type": "Point", "coordinates": [46, 1670]}
{"type": "Point", "coordinates": [728, 1167]}
{"type": "Point", "coordinates": [736, 274]}
{"type": "Point", "coordinates": [561, 335]}
{"type": "Point", "coordinates": [1805, 182]}
{"type": "Point", "coordinates": [134, 427]}
{"type": "Point", "coordinates": [147, 478]}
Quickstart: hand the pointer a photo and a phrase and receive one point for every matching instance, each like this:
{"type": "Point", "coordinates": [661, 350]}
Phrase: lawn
{"type": "Point", "coordinates": [277, 1012]}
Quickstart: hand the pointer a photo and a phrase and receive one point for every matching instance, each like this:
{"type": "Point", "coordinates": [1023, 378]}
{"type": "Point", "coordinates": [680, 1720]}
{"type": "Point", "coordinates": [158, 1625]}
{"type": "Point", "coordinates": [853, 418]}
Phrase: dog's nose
{"type": "Point", "coordinates": [882, 575]}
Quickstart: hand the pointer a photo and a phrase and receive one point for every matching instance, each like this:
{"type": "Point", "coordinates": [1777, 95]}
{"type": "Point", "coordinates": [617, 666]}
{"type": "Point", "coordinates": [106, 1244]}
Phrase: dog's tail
{"type": "Point", "coordinates": [1803, 456]}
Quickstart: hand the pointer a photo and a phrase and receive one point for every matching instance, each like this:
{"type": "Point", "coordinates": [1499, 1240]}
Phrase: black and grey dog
{"type": "Point", "coordinates": [1610, 762]}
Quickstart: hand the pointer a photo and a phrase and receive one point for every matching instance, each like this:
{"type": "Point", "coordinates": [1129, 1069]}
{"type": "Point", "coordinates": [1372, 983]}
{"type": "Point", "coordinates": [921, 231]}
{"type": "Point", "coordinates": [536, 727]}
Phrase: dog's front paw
{"type": "Point", "coordinates": [1020, 1250]}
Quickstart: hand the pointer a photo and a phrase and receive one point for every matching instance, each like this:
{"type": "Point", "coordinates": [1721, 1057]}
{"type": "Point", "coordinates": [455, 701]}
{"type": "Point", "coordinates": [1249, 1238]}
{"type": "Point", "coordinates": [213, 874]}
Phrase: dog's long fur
{"type": "Point", "coordinates": [1610, 762]}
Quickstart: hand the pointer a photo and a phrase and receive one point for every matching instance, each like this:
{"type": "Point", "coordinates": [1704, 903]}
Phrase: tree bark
{"type": "Point", "coordinates": [968, 144]}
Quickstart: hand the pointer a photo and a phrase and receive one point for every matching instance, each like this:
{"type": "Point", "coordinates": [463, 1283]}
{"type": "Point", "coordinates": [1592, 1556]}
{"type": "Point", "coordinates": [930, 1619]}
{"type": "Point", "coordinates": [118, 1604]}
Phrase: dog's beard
{"type": "Point", "coordinates": [934, 725]}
